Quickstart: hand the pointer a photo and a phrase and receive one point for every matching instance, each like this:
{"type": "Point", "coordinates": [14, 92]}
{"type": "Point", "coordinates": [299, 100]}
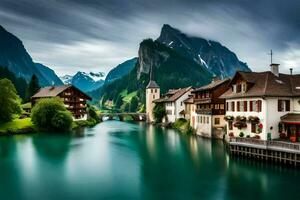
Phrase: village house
{"type": "Point", "coordinates": [174, 103]}
{"type": "Point", "coordinates": [74, 99]}
{"type": "Point", "coordinates": [263, 105]}
{"type": "Point", "coordinates": [152, 94]}
{"type": "Point", "coordinates": [208, 109]}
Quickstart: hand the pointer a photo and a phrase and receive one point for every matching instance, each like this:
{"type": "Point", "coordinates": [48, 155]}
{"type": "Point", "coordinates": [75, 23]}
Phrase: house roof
{"type": "Point", "coordinates": [212, 85]}
{"type": "Point", "coordinates": [189, 100]}
{"type": "Point", "coordinates": [152, 84]}
{"type": "Point", "coordinates": [173, 95]}
{"type": "Point", "coordinates": [263, 84]}
{"type": "Point", "coordinates": [53, 91]}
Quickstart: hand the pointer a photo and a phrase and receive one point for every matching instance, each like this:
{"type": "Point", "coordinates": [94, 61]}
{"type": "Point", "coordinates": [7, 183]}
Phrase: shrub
{"type": "Point", "coordinates": [47, 112]}
{"type": "Point", "coordinates": [62, 120]}
{"type": "Point", "coordinates": [183, 126]}
{"type": "Point", "coordinates": [231, 134]}
{"type": "Point", "coordinates": [248, 136]}
{"type": "Point", "coordinates": [92, 114]}
{"type": "Point", "coordinates": [159, 112]}
{"type": "Point", "coordinates": [241, 134]}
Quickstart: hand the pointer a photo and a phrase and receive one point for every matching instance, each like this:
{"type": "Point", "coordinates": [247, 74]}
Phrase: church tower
{"type": "Point", "coordinates": [152, 93]}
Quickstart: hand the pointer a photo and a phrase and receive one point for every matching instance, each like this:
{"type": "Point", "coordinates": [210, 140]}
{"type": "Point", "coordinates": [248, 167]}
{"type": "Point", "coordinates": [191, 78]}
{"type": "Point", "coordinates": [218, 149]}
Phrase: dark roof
{"type": "Point", "coordinates": [173, 95]}
{"type": "Point", "coordinates": [212, 85]}
{"type": "Point", "coordinates": [264, 84]}
{"type": "Point", "coordinates": [50, 91]}
{"type": "Point", "coordinates": [53, 91]}
{"type": "Point", "coordinates": [152, 84]}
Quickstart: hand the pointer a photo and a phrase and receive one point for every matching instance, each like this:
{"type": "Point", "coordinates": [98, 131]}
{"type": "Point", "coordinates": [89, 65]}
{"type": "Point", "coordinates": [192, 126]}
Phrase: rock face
{"type": "Point", "coordinates": [14, 56]}
{"type": "Point", "coordinates": [120, 70]}
{"type": "Point", "coordinates": [49, 74]}
{"type": "Point", "coordinates": [85, 81]}
{"type": "Point", "coordinates": [218, 59]}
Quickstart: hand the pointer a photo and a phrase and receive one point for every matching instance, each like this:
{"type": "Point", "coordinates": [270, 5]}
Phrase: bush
{"type": "Point", "coordinates": [183, 126]}
{"type": "Point", "coordinates": [241, 134]}
{"type": "Point", "coordinates": [159, 112]}
{"type": "Point", "coordinates": [50, 114]}
{"type": "Point", "coordinates": [92, 114]}
{"type": "Point", "coordinates": [248, 136]}
{"type": "Point", "coordinates": [62, 120]}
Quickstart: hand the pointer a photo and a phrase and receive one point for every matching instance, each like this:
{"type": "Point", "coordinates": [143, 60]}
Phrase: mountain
{"type": "Point", "coordinates": [218, 59]}
{"type": "Point", "coordinates": [15, 57]}
{"type": "Point", "coordinates": [120, 70]}
{"type": "Point", "coordinates": [85, 81]}
{"type": "Point", "coordinates": [48, 74]}
{"type": "Point", "coordinates": [177, 61]}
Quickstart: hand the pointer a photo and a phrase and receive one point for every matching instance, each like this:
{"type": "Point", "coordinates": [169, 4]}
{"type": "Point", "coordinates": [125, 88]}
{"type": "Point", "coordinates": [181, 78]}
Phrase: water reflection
{"type": "Point", "coordinates": [118, 160]}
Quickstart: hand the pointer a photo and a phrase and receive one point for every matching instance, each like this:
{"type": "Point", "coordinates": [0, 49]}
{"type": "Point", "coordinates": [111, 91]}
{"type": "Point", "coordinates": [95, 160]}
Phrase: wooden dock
{"type": "Point", "coordinates": [269, 151]}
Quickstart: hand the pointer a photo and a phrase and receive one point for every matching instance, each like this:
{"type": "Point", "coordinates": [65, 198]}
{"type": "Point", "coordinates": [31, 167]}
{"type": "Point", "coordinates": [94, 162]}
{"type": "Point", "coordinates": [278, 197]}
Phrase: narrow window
{"type": "Point", "coordinates": [245, 106]}
{"type": "Point", "coordinates": [227, 106]}
{"type": "Point", "coordinates": [280, 105]}
{"type": "Point", "coordinates": [232, 106]}
{"type": "Point", "coordinates": [230, 125]}
{"type": "Point", "coordinates": [217, 121]}
{"type": "Point", "coordinates": [253, 127]}
{"type": "Point", "coordinates": [287, 105]}
{"type": "Point", "coordinates": [259, 106]}
{"type": "Point", "coordinates": [251, 106]}
{"type": "Point", "coordinates": [238, 106]}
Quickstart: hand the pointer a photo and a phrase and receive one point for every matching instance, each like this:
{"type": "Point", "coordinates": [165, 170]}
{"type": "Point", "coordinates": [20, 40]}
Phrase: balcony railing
{"type": "Point", "coordinates": [269, 144]}
{"type": "Point", "coordinates": [210, 111]}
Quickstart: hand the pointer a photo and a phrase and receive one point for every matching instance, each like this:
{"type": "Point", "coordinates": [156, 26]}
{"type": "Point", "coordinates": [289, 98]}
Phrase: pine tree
{"type": "Point", "coordinates": [33, 87]}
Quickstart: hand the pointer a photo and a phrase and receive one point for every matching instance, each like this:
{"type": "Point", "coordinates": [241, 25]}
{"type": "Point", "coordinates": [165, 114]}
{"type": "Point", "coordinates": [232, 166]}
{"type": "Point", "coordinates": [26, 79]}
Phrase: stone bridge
{"type": "Point", "coordinates": [122, 116]}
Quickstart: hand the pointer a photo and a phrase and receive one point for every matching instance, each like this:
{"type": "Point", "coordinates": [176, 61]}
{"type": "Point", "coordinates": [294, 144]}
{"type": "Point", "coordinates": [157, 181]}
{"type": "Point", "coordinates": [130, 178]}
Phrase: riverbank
{"type": "Point", "coordinates": [25, 126]}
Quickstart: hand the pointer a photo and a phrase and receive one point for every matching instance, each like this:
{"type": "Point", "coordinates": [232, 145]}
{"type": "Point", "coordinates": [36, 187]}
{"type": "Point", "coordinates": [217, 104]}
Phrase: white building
{"type": "Point", "coordinates": [152, 93]}
{"type": "Point", "coordinates": [174, 103]}
{"type": "Point", "coordinates": [263, 104]}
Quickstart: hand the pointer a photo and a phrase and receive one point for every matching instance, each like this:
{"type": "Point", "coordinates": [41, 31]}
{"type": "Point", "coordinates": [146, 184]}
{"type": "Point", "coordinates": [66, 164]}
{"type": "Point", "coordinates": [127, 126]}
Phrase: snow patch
{"type": "Point", "coordinates": [170, 43]}
{"type": "Point", "coordinates": [202, 61]}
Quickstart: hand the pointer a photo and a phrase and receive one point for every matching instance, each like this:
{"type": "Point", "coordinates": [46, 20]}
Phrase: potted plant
{"type": "Point", "coordinates": [257, 137]}
{"type": "Point", "coordinates": [293, 137]}
{"type": "Point", "coordinates": [282, 135]}
{"type": "Point", "coordinates": [231, 135]}
{"type": "Point", "coordinates": [241, 134]}
{"type": "Point", "coordinates": [248, 136]}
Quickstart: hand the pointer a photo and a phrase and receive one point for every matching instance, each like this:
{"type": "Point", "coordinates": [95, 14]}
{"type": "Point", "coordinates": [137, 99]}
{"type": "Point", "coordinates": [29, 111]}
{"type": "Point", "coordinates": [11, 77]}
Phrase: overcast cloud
{"type": "Point", "coordinates": [91, 35]}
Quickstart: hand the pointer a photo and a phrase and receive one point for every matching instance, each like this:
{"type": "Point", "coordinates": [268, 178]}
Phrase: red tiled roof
{"type": "Point", "coordinates": [211, 85]}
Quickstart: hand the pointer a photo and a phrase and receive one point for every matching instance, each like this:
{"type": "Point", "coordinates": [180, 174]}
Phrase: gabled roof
{"type": "Point", "coordinates": [173, 95]}
{"type": "Point", "coordinates": [53, 91]}
{"type": "Point", "coordinates": [152, 84]}
{"type": "Point", "coordinates": [212, 85]}
{"type": "Point", "coordinates": [263, 84]}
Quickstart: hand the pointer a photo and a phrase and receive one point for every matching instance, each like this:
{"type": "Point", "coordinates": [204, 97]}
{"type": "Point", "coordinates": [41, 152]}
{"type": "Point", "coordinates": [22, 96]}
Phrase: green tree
{"type": "Point", "coordinates": [50, 114]}
{"type": "Point", "coordinates": [127, 107]}
{"type": "Point", "coordinates": [159, 112]}
{"type": "Point", "coordinates": [92, 113]}
{"type": "Point", "coordinates": [33, 87]}
{"type": "Point", "coordinates": [9, 100]}
{"type": "Point", "coordinates": [119, 102]}
{"type": "Point", "coordinates": [134, 104]}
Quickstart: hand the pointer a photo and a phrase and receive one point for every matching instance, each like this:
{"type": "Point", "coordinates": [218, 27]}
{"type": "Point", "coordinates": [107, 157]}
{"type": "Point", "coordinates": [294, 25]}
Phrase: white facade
{"type": "Point", "coordinates": [151, 95]}
{"type": "Point", "coordinates": [269, 116]}
{"type": "Point", "coordinates": [174, 108]}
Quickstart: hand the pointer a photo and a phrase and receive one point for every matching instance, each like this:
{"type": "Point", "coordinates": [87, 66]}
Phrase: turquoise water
{"type": "Point", "coordinates": [119, 160]}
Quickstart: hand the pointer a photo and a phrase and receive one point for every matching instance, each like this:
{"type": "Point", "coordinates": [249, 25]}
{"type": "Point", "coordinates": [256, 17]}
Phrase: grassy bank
{"type": "Point", "coordinates": [84, 123]}
{"type": "Point", "coordinates": [17, 126]}
{"type": "Point", "coordinates": [183, 126]}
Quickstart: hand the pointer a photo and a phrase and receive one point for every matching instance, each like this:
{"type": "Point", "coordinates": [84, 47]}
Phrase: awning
{"type": "Point", "coordinates": [291, 118]}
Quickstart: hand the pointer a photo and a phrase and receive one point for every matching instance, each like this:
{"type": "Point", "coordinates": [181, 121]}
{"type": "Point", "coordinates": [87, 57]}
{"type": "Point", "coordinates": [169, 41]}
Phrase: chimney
{"type": "Point", "coordinates": [275, 69]}
{"type": "Point", "coordinates": [291, 71]}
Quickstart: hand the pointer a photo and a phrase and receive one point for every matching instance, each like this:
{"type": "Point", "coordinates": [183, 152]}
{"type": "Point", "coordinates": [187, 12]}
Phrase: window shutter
{"type": "Point", "coordinates": [279, 105]}
{"type": "Point", "coordinates": [245, 106]}
{"type": "Point", "coordinates": [259, 106]}
{"type": "Point", "coordinates": [287, 105]}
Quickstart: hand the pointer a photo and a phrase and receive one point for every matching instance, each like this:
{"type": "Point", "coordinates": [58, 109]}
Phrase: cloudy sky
{"type": "Point", "coordinates": [91, 35]}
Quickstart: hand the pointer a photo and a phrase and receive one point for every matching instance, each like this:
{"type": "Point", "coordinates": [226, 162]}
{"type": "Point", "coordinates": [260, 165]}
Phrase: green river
{"type": "Point", "coordinates": [121, 160]}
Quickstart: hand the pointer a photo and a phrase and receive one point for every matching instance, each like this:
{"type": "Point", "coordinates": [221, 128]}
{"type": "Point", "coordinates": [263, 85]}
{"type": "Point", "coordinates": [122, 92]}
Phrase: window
{"type": "Point", "coordinates": [245, 106]}
{"type": "Point", "coordinates": [232, 106]}
{"type": "Point", "coordinates": [280, 105]}
{"type": "Point", "coordinates": [234, 88]}
{"type": "Point", "coordinates": [287, 105]}
{"type": "Point", "coordinates": [253, 127]}
{"type": "Point", "coordinates": [222, 106]}
{"type": "Point", "coordinates": [217, 121]}
{"type": "Point", "coordinates": [207, 120]}
{"type": "Point", "coordinates": [258, 104]}
{"type": "Point", "coordinates": [244, 87]}
{"type": "Point", "coordinates": [201, 119]}
{"type": "Point", "coordinates": [238, 106]}
{"type": "Point", "coordinates": [284, 105]}
{"type": "Point", "coordinates": [180, 103]}
{"type": "Point", "coordinates": [238, 88]}
{"type": "Point", "coordinates": [227, 106]}
{"type": "Point", "coordinates": [154, 96]}
{"type": "Point", "coordinates": [151, 90]}
{"type": "Point", "coordinates": [230, 125]}
{"type": "Point", "coordinates": [251, 106]}
{"type": "Point", "coordinates": [155, 90]}
{"type": "Point", "coordinates": [217, 106]}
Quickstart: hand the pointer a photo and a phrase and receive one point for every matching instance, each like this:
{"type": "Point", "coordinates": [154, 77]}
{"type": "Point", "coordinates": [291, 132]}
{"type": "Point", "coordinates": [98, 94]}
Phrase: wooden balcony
{"type": "Point", "coordinates": [210, 111]}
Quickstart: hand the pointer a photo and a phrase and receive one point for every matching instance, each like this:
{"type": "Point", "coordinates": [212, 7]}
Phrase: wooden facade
{"type": "Point", "coordinates": [75, 100]}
